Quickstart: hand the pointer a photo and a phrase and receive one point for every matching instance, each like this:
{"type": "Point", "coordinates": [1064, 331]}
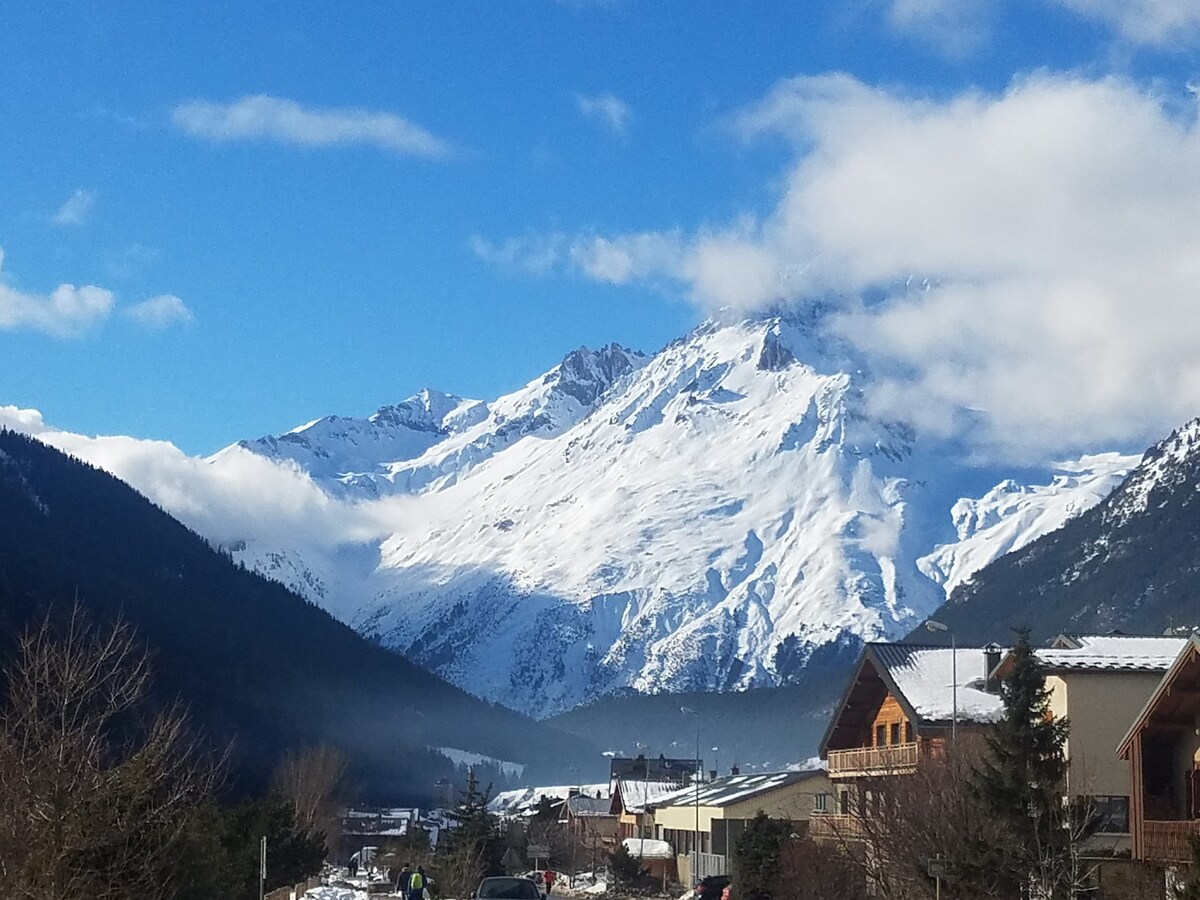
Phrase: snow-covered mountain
{"type": "Point", "coordinates": [1128, 563]}
{"type": "Point", "coordinates": [704, 519]}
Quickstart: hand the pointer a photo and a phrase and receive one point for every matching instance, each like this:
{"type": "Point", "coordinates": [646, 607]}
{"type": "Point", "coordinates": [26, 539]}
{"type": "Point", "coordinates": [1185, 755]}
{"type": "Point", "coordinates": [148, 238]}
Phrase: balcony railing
{"type": "Point", "coordinates": [1169, 842]}
{"type": "Point", "coordinates": [900, 759]}
{"type": "Point", "coordinates": [830, 827]}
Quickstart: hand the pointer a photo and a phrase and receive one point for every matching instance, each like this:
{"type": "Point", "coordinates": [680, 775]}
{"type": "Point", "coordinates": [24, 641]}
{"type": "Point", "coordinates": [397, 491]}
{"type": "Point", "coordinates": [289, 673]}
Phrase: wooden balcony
{"type": "Point", "coordinates": [860, 762]}
{"type": "Point", "coordinates": [1169, 842]}
{"type": "Point", "coordinates": [833, 828]}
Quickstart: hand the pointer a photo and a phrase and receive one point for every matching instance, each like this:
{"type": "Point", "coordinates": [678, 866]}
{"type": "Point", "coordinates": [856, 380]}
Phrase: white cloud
{"type": "Point", "coordinates": [67, 311]}
{"type": "Point", "coordinates": [1055, 224]}
{"type": "Point", "coordinates": [610, 111]}
{"type": "Point", "coordinates": [230, 497]}
{"type": "Point", "coordinates": [957, 27]}
{"type": "Point", "coordinates": [76, 208]}
{"type": "Point", "coordinates": [261, 117]}
{"type": "Point", "coordinates": [1145, 21]}
{"type": "Point", "coordinates": [157, 313]}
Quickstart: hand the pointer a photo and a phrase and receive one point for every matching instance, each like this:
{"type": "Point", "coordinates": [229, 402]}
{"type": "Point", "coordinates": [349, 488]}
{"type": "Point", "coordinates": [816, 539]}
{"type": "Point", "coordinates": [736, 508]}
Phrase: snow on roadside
{"type": "Point", "coordinates": [334, 893]}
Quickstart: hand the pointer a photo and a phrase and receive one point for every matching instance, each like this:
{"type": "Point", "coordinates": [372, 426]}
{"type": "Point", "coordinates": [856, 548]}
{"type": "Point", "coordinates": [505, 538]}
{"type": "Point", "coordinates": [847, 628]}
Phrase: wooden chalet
{"type": "Point", "coordinates": [1162, 748]}
{"type": "Point", "coordinates": [899, 708]}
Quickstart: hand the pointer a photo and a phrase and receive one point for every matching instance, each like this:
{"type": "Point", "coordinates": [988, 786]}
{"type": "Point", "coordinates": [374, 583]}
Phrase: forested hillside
{"type": "Point", "coordinates": [256, 664]}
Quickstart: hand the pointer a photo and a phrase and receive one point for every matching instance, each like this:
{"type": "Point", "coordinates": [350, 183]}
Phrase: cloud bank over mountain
{"type": "Point", "coordinates": [992, 253]}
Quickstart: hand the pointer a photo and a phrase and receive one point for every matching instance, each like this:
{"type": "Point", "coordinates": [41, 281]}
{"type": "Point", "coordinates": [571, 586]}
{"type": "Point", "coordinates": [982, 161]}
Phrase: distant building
{"type": "Point", "coordinates": [380, 827]}
{"type": "Point", "coordinates": [647, 768]}
{"type": "Point", "coordinates": [712, 818]}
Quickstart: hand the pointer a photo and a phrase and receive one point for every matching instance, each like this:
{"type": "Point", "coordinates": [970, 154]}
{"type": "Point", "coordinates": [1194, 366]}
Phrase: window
{"type": "Point", "coordinates": [908, 735]}
{"type": "Point", "coordinates": [1112, 812]}
{"type": "Point", "coordinates": [880, 735]}
{"type": "Point", "coordinates": [844, 803]}
{"type": "Point", "coordinates": [895, 733]}
{"type": "Point", "coordinates": [821, 803]}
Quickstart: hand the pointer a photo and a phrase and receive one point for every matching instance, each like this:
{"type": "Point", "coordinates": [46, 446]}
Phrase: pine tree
{"type": "Point", "coordinates": [1021, 781]}
{"type": "Point", "coordinates": [474, 848]}
{"type": "Point", "coordinates": [626, 870]}
{"type": "Point", "coordinates": [756, 856]}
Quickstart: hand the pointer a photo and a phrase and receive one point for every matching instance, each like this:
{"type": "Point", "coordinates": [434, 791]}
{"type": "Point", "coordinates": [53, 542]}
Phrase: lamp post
{"type": "Point", "coordinates": [642, 748]}
{"type": "Point", "coordinates": [931, 625]}
{"type": "Point", "coordinates": [688, 711]}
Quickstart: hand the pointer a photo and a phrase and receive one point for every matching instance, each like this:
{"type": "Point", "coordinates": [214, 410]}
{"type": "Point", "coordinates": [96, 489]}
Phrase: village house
{"type": "Point", "coordinates": [710, 817]}
{"type": "Point", "coordinates": [1162, 752]}
{"type": "Point", "coordinates": [904, 704]}
{"type": "Point", "coordinates": [637, 783]}
{"type": "Point", "coordinates": [1100, 683]}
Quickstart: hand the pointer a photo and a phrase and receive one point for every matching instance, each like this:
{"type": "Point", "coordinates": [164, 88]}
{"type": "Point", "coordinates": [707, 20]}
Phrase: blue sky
{"type": "Point", "coordinates": [268, 215]}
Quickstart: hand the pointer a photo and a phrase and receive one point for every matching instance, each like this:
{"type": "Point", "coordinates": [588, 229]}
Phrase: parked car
{"type": "Point", "coordinates": [508, 889]}
{"type": "Point", "coordinates": [712, 887]}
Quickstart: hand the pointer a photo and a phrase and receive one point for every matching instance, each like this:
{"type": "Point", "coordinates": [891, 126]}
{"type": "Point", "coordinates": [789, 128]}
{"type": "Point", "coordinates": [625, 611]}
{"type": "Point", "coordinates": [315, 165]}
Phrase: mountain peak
{"type": "Point", "coordinates": [587, 374]}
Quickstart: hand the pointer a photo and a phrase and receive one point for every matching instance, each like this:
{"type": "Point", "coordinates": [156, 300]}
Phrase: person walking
{"type": "Point", "coordinates": [416, 884]}
{"type": "Point", "coordinates": [402, 880]}
{"type": "Point", "coordinates": [548, 875]}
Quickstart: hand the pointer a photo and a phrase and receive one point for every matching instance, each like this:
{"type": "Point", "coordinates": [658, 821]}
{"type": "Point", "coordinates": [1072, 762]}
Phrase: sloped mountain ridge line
{"type": "Point", "coordinates": [705, 518]}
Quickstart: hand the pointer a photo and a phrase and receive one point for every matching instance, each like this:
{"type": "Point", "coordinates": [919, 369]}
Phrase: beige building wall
{"type": "Point", "coordinates": [1101, 706]}
{"type": "Point", "coordinates": [793, 801]}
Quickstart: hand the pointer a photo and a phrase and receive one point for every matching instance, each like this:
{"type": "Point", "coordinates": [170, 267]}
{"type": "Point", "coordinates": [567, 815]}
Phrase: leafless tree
{"type": "Point", "coordinates": [94, 795]}
{"type": "Point", "coordinates": [812, 871]}
{"type": "Point", "coordinates": [314, 781]}
{"type": "Point", "coordinates": [898, 822]}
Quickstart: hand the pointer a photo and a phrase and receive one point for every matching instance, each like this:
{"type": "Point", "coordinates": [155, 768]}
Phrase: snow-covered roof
{"type": "Point", "coordinates": [1112, 652]}
{"type": "Point", "coordinates": [648, 848]}
{"type": "Point", "coordinates": [524, 801]}
{"type": "Point", "coordinates": [735, 788]}
{"type": "Point", "coordinates": [585, 806]}
{"type": "Point", "coordinates": [635, 795]}
{"type": "Point", "coordinates": [926, 677]}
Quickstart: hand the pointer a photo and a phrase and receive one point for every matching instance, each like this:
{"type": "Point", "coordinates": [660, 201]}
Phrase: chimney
{"type": "Point", "coordinates": [712, 774]}
{"type": "Point", "coordinates": [991, 658]}
{"type": "Point", "coordinates": [735, 771]}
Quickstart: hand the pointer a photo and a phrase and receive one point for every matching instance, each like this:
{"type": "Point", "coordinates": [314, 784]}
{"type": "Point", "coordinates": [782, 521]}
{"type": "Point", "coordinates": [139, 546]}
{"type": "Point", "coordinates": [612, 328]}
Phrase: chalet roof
{"type": "Point", "coordinates": [525, 801]}
{"type": "Point", "coordinates": [1111, 652]}
{"type": "Point", "coordinates": [924, 677]}
{"type": "Point", "coordinates": [634, 796]}
{"type": "Point", "coordinates": [589, 807]}
{"type": "Point", "coordinates": [1167, 702]}
{"type": "Point", "coordinates": [736, 788]}
{"type": "Point", "coordinates": [921, 678]}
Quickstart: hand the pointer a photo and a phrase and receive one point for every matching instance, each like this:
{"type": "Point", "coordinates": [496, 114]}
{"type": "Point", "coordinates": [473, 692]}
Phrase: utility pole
{"type": "Point", "coordinates": [262, 868]}
{"type": "Point", "coordinates": [931, 625]}
{"type": "Point", "coordinates": [688, 711]}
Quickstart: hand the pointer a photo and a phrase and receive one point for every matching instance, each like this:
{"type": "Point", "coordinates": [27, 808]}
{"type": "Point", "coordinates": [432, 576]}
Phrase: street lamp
{"type": "Point", "coordinates": [642, 748]}
{"type": "Point", "coordinates": [931, 625]}
{"type": "Point", "coordinates": [688, 711]}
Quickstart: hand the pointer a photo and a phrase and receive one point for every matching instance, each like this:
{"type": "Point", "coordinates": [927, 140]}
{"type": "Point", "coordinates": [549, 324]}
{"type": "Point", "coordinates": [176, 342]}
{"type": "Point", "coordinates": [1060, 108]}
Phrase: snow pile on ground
{"type": "Point", "coordinates": [334, 893]}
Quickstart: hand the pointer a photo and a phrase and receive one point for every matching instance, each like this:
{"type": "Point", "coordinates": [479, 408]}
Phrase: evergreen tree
{"type": "Point", "coordinates": [756, 856]}
{"type": "Point", "coordinates": [474, 848]}
{"type": "Point", "coordinates": [627, 871]}
{"type": "Point", "coordinates": [1021, 780]}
